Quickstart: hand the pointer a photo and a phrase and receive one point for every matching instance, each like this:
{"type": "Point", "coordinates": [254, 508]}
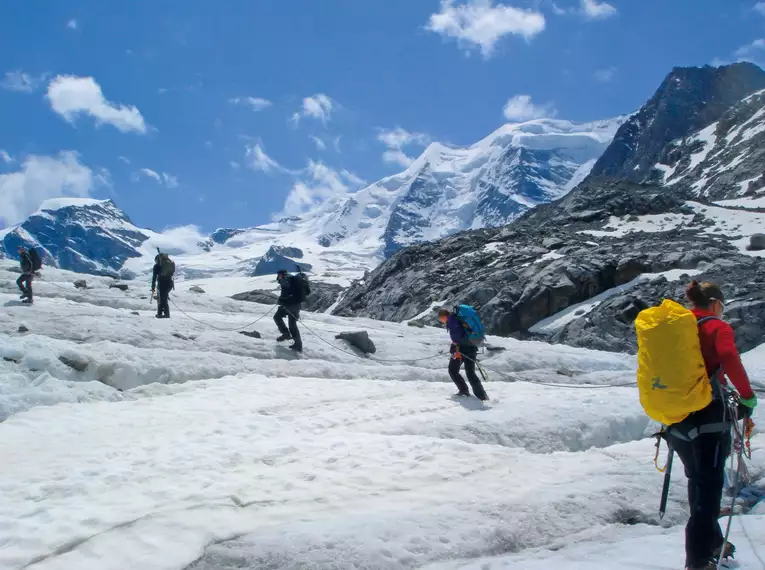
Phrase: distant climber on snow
{"type": "Point", "coordinates": [295, 289]}
{"type": "Point", "coordinates": [30, 262]}
{"type": "Point", "coordinates": [164, 270]}
{"type": "Point", "coordinates": [466, 332]}
{"type": "Point", "coordinates": [684, 357]}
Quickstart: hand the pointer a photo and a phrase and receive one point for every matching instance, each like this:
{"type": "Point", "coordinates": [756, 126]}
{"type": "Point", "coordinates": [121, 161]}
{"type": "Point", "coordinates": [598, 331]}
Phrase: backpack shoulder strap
{"type": "Point", "coordinates": [705, 319]}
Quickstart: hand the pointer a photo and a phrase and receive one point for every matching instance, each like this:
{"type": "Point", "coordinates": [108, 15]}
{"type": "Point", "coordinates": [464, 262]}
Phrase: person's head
{"type": "Point", "coordinates": [443, 315]}
{"type": "Point", "coordinates": [706, 296]}
{"type": "Point", "coordinates": [281, 275]}
{"type": "Point", "coordinates": [21, 249]}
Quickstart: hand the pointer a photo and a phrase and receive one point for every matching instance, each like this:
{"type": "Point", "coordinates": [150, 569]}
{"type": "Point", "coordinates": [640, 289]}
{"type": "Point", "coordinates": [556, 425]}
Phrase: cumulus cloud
{"type": "Point", "coordinates": [522, 108]}
{"type": "Point", "coordinates": [322, 183]}
{"type": "Point", "coordinates": [164, 179]}
{"type": "Point", "coordinates": [318, 107]}
{"type": "Point", "coordinates": [5, 157]}
{"type": "Point", "coordinates": [480, 24]}
{"type": "Point", "coordinates": [71, 96]}
{"type": "Point", "coordinates": [605, 75]}
{"type": "Point", "coordinates": [42, 177]}
{"type": "Point", "coordinates": [594, 10]}
{"type": "Point", "coordinates": [72, 24]}
{"type": "Point", "coordinates": [396, 140]}
{"type": "Point", "coordinates": [22, 82]}
{"type": "Point", "coordinates": [759, 7]}
{"type": "Point", "coordinates": [176, 241]}
{"type": "Point", "coordinates": [255, 103]}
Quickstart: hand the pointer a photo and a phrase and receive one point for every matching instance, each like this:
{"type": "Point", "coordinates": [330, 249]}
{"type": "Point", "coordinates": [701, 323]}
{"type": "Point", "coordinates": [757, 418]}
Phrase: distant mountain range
{"type": "Point", "coordinates": [445, 191]}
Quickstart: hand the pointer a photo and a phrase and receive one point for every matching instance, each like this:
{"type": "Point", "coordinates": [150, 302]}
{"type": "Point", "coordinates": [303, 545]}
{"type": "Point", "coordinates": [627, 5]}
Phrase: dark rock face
{"type": "Point", "coordinates": [610, 326]}
{"type": "Point", "coordinates": [81, 284]}
{"type": "Point", "coordinates": [95, 238]}
{"type": "Point", "coordinates": [120, 286]}
{"type": "Point", "coordinates": [251, 334]}
{"type": "Point", "coordinates": [75, 362]}
{"type": "Point", "coordinates": [359, 340]}
{"type": "Point", "coordinates": [262, 297]}
{"type": "Point", "coordinates": [322, 297]}
{"type": "Point", "coordinates": [222, 235]}
{"type": "Point", "coordinates": [757, 242]}
{"type": "Point", "coordinates": [688, 100]}
{"type": "Point", "coordinates": [276, 259]}
{"type": "Point", "coordinates": [515, 281]}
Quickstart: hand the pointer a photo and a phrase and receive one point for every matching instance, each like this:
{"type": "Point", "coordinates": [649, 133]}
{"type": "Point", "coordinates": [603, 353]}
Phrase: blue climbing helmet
{"type": "Point", "coordinates": [472, 324]}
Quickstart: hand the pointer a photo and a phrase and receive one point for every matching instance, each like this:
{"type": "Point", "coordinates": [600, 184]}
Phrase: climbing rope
{"type": "Point", "coordinates": [260, 318]}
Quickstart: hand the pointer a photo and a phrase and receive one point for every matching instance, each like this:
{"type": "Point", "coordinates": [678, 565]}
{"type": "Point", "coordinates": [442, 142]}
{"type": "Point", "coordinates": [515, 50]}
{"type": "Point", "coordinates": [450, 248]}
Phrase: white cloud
{"type": "Point", "coordinates": [22, 82]}
{"type": "Point", "coordinates": [70, 96]}
{"type": "Point", "coordinates": [594, 10]}
{"type": "Point", "coordinates": [234, 164]}
{"type": "Point", "coordinates": [558, 11]}
{"type": "Point", "coordinates": [759, 7]}
{"type": "Point", "coordinates": [398, 158]}
{"type": "Point", "coordinates": [751, 52]}
{"type": "Point", "coordinates": [72, 24]}
{"type": "Point", "coordinates": [255, 103]}
{"type": "Point", "coordinates": [41, 178]}
{"type": "Point", "coordinates": [124, 159]}
{"type": "Point", "coordinates": [318, 106]}
{"type": "Point", "coordinates": [396, 140]}
{"type": "Point", "coordinates": [164, 179]}
{"type": "Point", "coordinates": [259, 160]}
{"type": "Point", "coordinates": [521, 108]}
{"type": "Point", "coordinates": [5, 157]}
{"type": "Point", "coordinates": [324, 183]}
{"type": "Point", "coordinates": [478, 23]}
{"type": "Point", "coordinates": [320, 144]}
{"type": "Point", "coordinates": [605, 75]}
{"type": "Point", "coordinates": [177, 241]}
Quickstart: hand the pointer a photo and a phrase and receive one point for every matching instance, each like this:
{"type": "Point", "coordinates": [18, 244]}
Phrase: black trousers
{"type": "Point", "coordinates": [292, 312]}
{"type": "Point", "coordinates": [470, 353]}
{"type": "Point", "coordinates": [704, 461]}
{"type": "Point", "coordinates": [25, 284]}
{"type": "Point", "coordinates": [163, 307]}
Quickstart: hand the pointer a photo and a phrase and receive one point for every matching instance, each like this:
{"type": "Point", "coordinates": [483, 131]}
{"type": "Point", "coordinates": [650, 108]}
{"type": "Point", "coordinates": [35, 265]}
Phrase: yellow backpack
{"type": "Point", "coordinates": [672, 378]}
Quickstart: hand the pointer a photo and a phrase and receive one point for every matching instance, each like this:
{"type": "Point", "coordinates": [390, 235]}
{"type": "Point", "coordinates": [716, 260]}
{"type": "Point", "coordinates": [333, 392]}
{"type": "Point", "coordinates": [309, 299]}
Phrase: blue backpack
{"type": "Point", "coordinates": [472, 324]}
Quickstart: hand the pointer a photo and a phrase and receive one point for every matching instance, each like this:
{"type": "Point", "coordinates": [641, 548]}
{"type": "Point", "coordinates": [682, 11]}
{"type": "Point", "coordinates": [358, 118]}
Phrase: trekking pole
{"type": "Point", "coordinates": [665, 488]}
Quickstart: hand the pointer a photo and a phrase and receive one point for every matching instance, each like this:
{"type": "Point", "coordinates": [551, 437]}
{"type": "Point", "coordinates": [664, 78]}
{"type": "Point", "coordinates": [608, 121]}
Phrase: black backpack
{"type": "Point", "coordinates": [166, 266]}
{"type": "Point", "coordinates": [301, 288]}
{"type": "Point", "coordinates": [34, 257]}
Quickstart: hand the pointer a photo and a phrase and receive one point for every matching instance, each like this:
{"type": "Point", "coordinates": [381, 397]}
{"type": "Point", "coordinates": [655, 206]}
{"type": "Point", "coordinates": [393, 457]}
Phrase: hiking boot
{"type": "Point", "coordinates": [705, 566]}
{"type": "Point", "coordinates": [462, 395]}
{"type": "Point", "coordinates": [283, 338]}
{"type": "Point", "coordinates": [730, 551]}
{"type": "Point", "coordinates": [296, 347]}
{"type": "Point", "coordinates": [28, 301]}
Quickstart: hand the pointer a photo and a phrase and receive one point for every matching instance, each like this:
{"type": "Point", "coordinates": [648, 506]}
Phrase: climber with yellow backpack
{"type": "Point", "coordinates": [684, 357]}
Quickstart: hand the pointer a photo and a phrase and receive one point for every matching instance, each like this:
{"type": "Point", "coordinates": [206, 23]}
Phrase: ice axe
{"type": "Point", "coordinates": [665, 488]}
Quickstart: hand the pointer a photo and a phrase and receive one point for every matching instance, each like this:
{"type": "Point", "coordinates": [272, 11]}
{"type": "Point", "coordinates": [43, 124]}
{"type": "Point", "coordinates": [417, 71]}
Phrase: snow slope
{"type": "Point", "coordinates": [222, 451]}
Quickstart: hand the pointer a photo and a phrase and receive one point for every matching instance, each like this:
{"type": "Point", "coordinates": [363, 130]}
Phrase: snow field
{"type": "Point", "coordinates": [182, 446]}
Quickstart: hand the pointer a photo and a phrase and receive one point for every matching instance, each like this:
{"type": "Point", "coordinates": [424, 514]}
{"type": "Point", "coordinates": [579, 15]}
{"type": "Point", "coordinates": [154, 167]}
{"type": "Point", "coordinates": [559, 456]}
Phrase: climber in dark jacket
{"type": "Point", "coordinates": [166, 285]}
{"type": "Point", "coordinates": [461, 350]}
{"type": "Point", "coordinates": [27, 274]}
{"type": "Point", "coordinates": [290, 301]}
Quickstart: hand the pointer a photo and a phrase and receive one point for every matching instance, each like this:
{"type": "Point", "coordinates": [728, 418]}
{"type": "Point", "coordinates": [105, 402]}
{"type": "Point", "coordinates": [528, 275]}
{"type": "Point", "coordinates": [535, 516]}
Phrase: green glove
{"type": "Point", "coordinates": [749, 402]}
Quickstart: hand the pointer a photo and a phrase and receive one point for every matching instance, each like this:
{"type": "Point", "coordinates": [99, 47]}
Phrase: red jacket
{"type": "Point", "coordinates": [719, 349]}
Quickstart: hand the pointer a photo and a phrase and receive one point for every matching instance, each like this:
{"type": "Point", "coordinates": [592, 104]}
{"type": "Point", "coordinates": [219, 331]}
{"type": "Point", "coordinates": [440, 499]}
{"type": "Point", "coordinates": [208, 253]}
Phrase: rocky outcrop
{"type": "Point", "coordinates": [322, 297]}
{"type": "Point", "coordinates": [258, 296]}
{"type": "Point", "coordinates": [688, 100]}
{"type": "Point", "coordinates": [280, 259]}
{"type": "Point", "coordinates": [559, 255]}
{"type": "Point", "coordinates": [359, 340]}
{"type": "Point", "coordinates": [610, 326]}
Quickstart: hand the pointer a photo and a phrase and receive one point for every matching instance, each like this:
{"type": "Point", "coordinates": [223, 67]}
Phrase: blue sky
{"type": "Point", "coordinates": [220, 114]}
